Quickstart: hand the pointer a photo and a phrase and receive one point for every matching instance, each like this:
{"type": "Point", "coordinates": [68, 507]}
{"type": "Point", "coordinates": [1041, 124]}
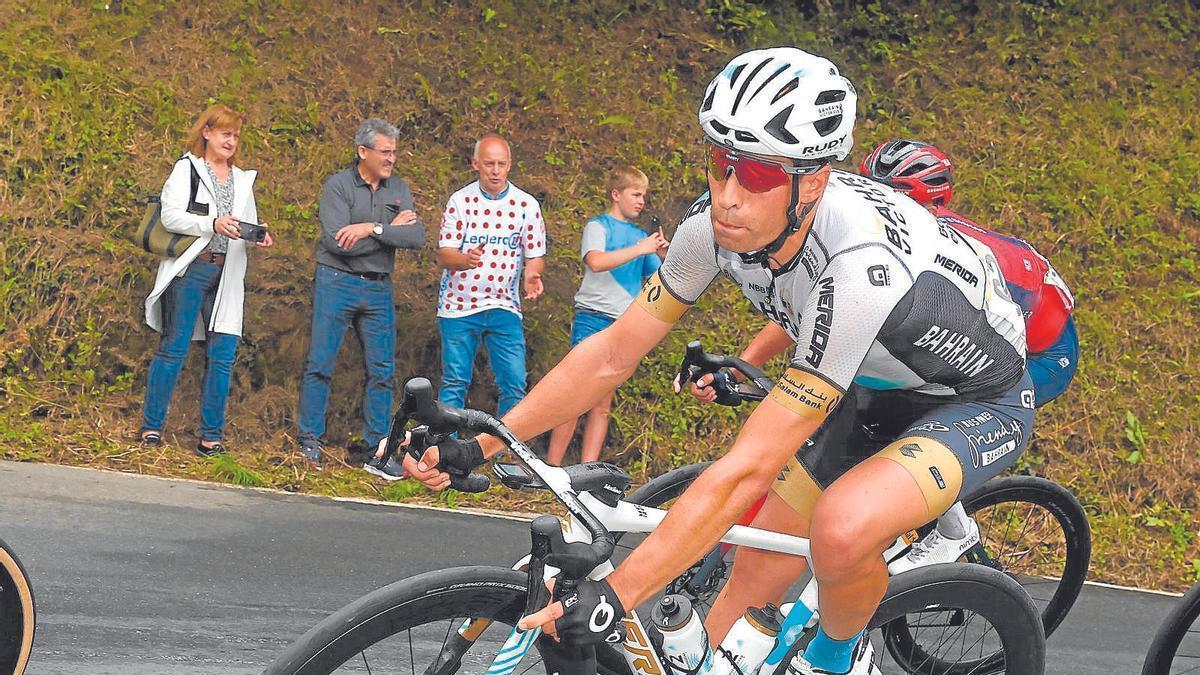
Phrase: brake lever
{"type": "Point", "coordinates": [696, 364]}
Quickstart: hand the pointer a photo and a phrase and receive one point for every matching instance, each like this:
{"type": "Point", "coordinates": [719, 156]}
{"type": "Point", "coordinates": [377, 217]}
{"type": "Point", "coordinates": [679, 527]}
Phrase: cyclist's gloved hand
{"type": "Point", "coordinates": [589, 614]}
{"type": "Point", "coordinates": [455, 456]}
{"type": "Point", "coordinates": [436, 464]}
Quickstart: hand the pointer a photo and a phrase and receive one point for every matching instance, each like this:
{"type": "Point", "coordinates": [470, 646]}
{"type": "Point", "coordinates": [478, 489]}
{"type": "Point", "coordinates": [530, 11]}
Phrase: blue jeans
{"type": "Point", "coordinates": [587, 323]}
{"type": "Point", "coordinates": [1053, 369]}
{"type": "Point", "coordinates": [504, 335]}
{"type": "Point", "coordinates": [188, 297]}
{"type": "Point", "coordinates": [339, 300]}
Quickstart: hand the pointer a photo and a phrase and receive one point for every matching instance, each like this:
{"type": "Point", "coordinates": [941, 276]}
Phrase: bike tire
{"type": "Point", "coordinates": [1076, 531]}
{"type": "Point", "coordinates": [18, 613]}
{"type": "Point", "coordinates": [668, 486]}
{"type": "Point", "coordinates": [980, 590]}
{"type": "Point", "coordinates": [1175, 627]}
{"type": "Point", "coordinates": [439, 597]}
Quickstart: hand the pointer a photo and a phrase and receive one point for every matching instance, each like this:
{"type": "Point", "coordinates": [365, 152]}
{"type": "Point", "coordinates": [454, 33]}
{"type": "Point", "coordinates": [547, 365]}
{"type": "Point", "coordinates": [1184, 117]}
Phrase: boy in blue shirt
{"type": "Point", "coordinates": [618, 257]}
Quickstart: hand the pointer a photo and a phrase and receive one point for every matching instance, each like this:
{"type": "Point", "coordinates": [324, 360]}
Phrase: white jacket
{"type": "Point", "coordinates": [227, 310]}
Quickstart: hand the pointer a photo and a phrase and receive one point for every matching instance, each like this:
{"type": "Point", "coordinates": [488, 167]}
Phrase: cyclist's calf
{"type": "Point", "coordinates": [853, 521]}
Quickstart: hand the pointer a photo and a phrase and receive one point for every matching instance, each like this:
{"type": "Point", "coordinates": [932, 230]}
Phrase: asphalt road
{"type": "Point", "coordinates": [137, 575]}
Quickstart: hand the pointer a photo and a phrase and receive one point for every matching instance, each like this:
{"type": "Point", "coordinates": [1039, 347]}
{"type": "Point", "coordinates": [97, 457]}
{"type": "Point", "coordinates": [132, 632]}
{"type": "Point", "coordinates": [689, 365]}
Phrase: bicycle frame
{"type": "Point", "coordinates": [585, 511]}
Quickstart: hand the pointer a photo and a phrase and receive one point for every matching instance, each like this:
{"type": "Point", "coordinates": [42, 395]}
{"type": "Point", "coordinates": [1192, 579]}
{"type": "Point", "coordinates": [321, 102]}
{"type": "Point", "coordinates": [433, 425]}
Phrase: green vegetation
{"type": "Point", "coordinates": [1072, 123]}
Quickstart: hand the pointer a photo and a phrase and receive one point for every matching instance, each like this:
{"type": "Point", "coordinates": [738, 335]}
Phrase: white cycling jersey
{"type": "Point", "coordinates": [880, 294]}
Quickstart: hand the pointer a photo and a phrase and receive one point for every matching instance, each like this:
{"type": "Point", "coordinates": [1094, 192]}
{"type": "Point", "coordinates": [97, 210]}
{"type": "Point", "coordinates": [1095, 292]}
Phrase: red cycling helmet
{"type": "Point", "coordinates": [918, 169]}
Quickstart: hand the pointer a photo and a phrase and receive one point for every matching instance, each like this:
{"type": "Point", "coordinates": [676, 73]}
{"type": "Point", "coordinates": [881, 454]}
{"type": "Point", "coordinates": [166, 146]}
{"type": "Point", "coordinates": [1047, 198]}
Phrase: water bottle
{"type": "Point", "coordinates": [798, 617]}
{"type": "Point", "coordinates": [684, 641]}
{"type": "Point", "coordinates": [747, 643]}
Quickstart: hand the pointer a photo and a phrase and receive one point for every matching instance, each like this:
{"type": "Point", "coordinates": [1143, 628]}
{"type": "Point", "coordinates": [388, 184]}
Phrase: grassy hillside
{"type": "Point", "coordinates": [1072, 122]}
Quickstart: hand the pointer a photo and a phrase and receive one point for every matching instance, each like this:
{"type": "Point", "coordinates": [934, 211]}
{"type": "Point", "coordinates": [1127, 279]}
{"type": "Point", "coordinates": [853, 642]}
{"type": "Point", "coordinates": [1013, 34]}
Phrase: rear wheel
{"type": "Point", "coordinates": [18, 615]}
{"type": "Point", "coordinates": [960, 619]}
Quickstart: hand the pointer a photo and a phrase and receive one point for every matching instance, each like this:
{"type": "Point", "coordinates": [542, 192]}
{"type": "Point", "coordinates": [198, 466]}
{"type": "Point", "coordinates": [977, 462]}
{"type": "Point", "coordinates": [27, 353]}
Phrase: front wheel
{"type": "Point", "coordinates": [449, 621]}
{"type": "Point", "coordinates": [17, 614]}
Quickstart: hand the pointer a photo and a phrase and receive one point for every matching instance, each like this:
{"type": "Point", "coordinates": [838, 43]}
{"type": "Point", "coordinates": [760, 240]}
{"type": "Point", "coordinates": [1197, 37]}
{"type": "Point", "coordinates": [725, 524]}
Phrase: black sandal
{"type": "Point", "coordinates": [150, 438]}
{"type": "Point", "coordinates": [217, 448]}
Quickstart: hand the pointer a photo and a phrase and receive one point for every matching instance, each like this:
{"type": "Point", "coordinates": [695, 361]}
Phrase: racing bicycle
{"type": "Point", "coordinates": [947, 619]}
{"type": "Point", "coordinates": [17, 614]}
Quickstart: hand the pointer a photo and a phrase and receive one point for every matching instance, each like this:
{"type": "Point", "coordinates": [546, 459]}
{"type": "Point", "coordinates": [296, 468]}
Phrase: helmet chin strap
{"type": "Point", "coordinates": [763, 255]}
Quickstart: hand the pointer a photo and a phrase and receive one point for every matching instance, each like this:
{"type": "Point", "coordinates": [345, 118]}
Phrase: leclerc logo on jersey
{"type": "Point", "coordinates": [822, 323]}
{"type": "Point", "coordinates": [512, 241]}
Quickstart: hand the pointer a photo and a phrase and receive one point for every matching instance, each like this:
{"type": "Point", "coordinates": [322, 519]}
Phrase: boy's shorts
{"type": "Point", "coordinates": [587, 323]}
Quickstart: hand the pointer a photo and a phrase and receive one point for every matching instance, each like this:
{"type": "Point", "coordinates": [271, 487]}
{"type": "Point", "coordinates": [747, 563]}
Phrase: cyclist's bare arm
{"type": "Point", "coordinates": [770, 342]}
{"type": "Point", "coordinates": [720, 495]}
{"type": "Point", "coordinates": [589, 372]}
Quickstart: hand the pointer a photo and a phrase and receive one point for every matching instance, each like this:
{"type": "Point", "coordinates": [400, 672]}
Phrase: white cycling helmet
{"type": "Point", "coordinates": [781, 101]}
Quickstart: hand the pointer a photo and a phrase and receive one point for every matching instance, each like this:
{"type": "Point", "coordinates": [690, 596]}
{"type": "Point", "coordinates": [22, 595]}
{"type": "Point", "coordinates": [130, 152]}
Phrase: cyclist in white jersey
{"type": "Point", "coordinates": [874, 297]}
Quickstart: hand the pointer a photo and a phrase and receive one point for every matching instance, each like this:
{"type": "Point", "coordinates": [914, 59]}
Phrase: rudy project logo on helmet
{"type": "Point", "coordinates": [823, 149]}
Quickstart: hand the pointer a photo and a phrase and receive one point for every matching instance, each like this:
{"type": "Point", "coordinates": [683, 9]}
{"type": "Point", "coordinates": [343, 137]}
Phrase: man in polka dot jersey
{"type": "Point", "coordinates": [492, 238]}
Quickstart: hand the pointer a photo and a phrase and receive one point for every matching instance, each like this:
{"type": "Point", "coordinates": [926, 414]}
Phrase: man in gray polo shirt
{"type": "Point", "coordinates": [366, 214]}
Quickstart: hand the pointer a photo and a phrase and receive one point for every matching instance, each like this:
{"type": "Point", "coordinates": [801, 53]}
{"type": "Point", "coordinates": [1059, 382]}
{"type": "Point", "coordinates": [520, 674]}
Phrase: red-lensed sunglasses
{"type": "Point", "coordinates": [754, 173]}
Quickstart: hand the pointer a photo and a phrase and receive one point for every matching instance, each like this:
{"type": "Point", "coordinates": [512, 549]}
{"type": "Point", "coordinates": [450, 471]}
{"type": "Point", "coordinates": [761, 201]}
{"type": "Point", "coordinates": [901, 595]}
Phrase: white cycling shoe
{"type": "Point", "coordinates": [936, 548]}
{"type": "Point", "coordinates": [862, 663]}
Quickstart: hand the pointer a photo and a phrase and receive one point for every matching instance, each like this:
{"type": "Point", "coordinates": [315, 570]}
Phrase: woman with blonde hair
{"type": "Point", "coordinates": [198, 295]}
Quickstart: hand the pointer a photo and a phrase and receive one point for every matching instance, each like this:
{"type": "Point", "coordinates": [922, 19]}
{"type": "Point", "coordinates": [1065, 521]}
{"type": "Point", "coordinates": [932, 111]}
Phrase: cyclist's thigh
{"type": "Point", "coordinates": [835, 447]}
{"type": "Point", "coordinates": [956, 447]}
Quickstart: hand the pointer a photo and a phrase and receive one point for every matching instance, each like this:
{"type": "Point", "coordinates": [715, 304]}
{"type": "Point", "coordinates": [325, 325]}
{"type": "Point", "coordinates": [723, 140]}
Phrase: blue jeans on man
{"type": "Point", "coordinates": [341, 299]}
{"type": "Point", "coordinates": [188, 298]}
{"type": "Point", "coordinates": [502, 333]}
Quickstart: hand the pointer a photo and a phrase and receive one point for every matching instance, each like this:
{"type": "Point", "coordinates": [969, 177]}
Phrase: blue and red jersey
{"type": "Point", "coordinates": [1040, 292]}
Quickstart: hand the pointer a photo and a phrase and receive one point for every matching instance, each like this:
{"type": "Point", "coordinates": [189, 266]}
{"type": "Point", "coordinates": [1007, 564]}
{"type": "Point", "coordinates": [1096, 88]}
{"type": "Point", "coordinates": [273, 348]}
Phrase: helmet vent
{"type": "Point", "coordinates": [937, 180]}
{"type": "Point", "coordinates": [746, 85]}
{"type": "Point", "coordinates": [785, 90]}
{"type": "Point", "coordinates": [830, 96]}
{"type": "Point", "coordinates": [828, 125]}
{"type": "Point", "coordinates": [721, 129]}
{"type": "Point", "coordinates": [708, 100]}
{"type": "Point", "coordinates": [768, 81]}
{"type": "Point", "coordinates": [733, 77]}
{"type": "Point", "coordinates": [777, 127]}
{"type": "Point", "coordinates": [916, 167]}
{"type": "Point", "coordinates": [745, 137]}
